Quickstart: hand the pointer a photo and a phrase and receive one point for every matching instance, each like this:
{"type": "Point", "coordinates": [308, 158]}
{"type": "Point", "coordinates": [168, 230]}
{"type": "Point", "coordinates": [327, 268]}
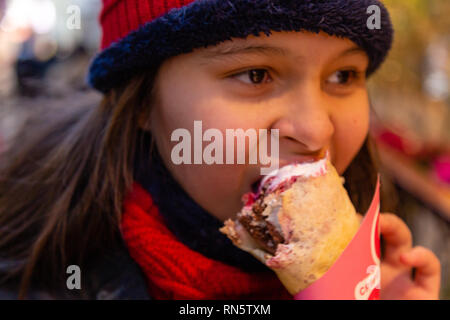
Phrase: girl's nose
{"type": "Point", "coordinates": [306, 122]}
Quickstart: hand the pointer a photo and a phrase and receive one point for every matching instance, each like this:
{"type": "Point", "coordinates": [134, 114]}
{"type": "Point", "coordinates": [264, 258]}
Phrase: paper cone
{"type": "Point", "coordinates": [356, 273]}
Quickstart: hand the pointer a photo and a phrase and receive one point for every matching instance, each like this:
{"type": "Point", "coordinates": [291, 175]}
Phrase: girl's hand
{"type": "Point", "coordinates": [399, 260]}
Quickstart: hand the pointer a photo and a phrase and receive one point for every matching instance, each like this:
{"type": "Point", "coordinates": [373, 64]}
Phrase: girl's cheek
{"type": "Point", "coordinates": [213, 187]}
{"type": "Point", "coordinates": [217, 187]}
{"type": "Point", "coordinates": [352, 128]}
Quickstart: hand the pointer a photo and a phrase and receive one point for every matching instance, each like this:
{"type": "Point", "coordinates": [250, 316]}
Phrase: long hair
{"type": "Point", "coordinates": [63, 184]}
{"type": "Point", "coordinates": [361, 179]}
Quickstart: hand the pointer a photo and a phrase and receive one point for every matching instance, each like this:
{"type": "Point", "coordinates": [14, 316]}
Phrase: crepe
{"type": "Point", "coordinates": [298, 222]}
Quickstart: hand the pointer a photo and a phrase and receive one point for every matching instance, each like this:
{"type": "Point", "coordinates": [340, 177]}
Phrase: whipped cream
{"type": "Point", "coordinates": [309, 169]}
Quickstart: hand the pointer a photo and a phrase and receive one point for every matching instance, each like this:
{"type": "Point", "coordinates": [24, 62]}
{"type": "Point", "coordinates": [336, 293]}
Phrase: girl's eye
{"type": "Point", "coordinates": [343, 77]}
{"type": "Point", "coordinates": [253, 76]}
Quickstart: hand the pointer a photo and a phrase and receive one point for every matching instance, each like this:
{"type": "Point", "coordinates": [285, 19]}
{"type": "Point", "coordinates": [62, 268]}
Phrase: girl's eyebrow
{"type": "Point", "coordinates": [354, 49]}
{"type": "Point", "coordinates": [227, 50]}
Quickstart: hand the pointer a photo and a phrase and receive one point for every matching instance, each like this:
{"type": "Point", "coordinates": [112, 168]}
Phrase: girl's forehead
{"type": "Point", "coordinates": [288, 44]}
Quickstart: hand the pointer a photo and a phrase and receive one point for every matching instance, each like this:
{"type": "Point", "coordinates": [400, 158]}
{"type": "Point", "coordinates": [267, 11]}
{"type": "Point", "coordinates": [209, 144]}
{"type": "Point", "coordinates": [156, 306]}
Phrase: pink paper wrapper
{"type": "Point", "coordinates": [356, 273]}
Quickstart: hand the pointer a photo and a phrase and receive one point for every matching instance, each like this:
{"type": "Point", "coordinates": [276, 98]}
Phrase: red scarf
{"type": "Point", "coordinates": [174, 271]}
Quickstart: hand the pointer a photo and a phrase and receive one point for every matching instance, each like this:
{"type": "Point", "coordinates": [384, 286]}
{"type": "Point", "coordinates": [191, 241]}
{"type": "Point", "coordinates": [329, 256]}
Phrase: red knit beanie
{"type": "Point", "coordinates": [139, 35]}
{"type": "Point", "coordinates": [119, 17]}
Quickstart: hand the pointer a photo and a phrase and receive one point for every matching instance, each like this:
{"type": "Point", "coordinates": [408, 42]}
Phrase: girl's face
{"type": "Point", "coordinates": [311, 87]}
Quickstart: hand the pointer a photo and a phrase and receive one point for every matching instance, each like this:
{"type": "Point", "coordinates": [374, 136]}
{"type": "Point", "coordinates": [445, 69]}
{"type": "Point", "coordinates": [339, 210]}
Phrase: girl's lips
{"type": "Point", "coordinates": [301, 159]}
{"type": "Point", "coordinates": [290, 172]}
{"type": "Point", "coordinates": [296, 160]}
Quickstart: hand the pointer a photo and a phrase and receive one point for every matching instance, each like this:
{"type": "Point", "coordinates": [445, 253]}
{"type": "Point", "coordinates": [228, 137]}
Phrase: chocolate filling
{"type": "Point", "coordinates": [266, 235]}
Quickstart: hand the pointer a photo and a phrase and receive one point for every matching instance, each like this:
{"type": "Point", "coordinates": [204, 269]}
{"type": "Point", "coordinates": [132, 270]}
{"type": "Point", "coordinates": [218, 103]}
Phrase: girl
{"type": "Point", "coordinates": [97, 189]}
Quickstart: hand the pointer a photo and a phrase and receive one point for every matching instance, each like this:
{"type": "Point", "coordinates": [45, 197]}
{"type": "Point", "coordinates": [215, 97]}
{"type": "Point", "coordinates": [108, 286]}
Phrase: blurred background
{"type": "Point", "coordinates": [46, 47]}
{"type": "Point", "coordinates": [410, 98]}
{"type": "Point", "coordinates": [45, 50]}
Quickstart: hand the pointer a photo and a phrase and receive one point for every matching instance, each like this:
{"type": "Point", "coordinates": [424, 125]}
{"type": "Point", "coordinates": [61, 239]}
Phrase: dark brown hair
{"type": "Point", "coordinates": [63, 182]}
{"type": "Point", "coordinates": [62, 186]}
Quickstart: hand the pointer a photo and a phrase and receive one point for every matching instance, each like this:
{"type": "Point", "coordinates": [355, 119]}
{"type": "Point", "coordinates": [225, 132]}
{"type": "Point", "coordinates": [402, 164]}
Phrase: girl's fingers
{"type": "Point", "coordinates": [395, 232]}
{"type": "Point", "coordinates": [428, 268]}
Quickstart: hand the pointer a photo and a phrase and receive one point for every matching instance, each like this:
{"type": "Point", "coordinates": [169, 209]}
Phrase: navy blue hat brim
{"type": "Point", "coordinates": [210, 22]}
